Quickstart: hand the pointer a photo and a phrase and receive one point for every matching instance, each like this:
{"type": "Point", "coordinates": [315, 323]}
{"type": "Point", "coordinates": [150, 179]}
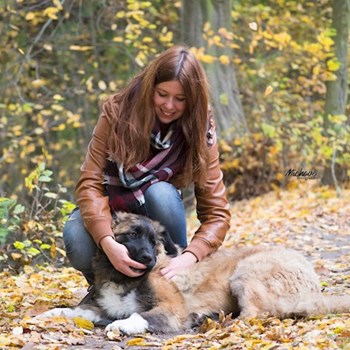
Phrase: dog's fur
{"type": "Point", "coordinates": [258, 281]}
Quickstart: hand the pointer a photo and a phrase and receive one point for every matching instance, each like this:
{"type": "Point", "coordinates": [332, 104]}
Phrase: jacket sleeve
{"type": "Point", "coordinates": [89, 191]}
{"type": "Point", "coordinates": [212, 210]}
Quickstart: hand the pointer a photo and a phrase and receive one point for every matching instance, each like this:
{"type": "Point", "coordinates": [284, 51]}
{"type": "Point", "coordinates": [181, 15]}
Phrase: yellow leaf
{"type": "Point", "coordinates": [253, 26]}
{"type": "Point", "coordinates": [207, 58]}
{"type": "Point", "coordinates": [102, 85]}
{"type": "Point", "coordinates": [30, 16]}
{"type": "Point", "coordinates": [16, 256]}
{"type": "Point", "coordinates": [279, 176]}
{"type": "Point", "coordinates": [38, 83]}
{"type": "Point", "coordinates": [120, 14]}
{"type": "Point", "coordinates": [83, 323]}
{"type": "Point", "coordinates": [139, 62]}
{"type": "Point", "coordinates": [51, 12]}
{"type": "Point", "coordinates": [118, 39]}
{"type": "Point", "coordinates": [326, 41]}
{"type": "Point", "coordinates": [333, 65]}
{"type": "Point", "coordinates": [168, 37]}
{"type": "Point", "coordinates": [316, 70]}
{"type": "Point", "coordinates": [4, 341]}
{"type": "Point", "coordinates": [147, 39]}
{"type": "Point", "coordinates": [28, 269]}
{"type": "Point", "coordinates": [58, 4]}
{"type": "Point", "coordinates": [224, 59]}
{"type": "Point", "coordinates": [80, 48]}
{"type": "Point", "coordinates": [136, 341]}
{"type": "Point", "coordinates": [53, 250]}
{"type": "Point", "coordinates": [142, 342]}
{"type": "Point", "coordinates": [225, 147]}
{"type": "Point", "coordinates": [268, 90]}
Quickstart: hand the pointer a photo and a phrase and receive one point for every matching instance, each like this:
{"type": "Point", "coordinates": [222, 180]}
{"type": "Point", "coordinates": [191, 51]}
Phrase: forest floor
{"type": "Point", "coordinates": [308, 218]}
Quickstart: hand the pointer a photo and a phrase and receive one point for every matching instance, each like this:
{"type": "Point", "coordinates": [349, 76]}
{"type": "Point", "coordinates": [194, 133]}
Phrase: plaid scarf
{"type": "Point", "coordinates": [126, 188]}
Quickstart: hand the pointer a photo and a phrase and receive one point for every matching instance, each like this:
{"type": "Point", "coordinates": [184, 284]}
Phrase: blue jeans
{"type": "Point", "coordinates": [162, 203]}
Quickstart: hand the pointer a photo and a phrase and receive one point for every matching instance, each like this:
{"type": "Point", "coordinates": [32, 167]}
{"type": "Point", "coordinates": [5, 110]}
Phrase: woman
{"type": "Point", "coordinates": [153, 138]}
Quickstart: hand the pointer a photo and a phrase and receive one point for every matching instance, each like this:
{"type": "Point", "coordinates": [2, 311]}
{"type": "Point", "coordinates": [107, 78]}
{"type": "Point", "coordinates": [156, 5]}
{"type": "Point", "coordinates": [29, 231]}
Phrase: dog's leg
{"type": "Point", "coordinates": [88, 312]}
{"type": "Point", "coordinates": [248, 297]}
{"type": "Point", "coordinates": [168, 315]}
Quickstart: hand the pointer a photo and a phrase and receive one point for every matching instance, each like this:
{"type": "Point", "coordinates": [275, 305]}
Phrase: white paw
{"type": "Point", "coordinates": [131, 325]}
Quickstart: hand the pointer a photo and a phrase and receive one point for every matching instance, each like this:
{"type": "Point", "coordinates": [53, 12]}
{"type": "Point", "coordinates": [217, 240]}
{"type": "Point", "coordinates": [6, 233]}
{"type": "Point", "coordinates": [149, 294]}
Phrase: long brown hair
{"type": "Point", "coordinates": [134, 116]}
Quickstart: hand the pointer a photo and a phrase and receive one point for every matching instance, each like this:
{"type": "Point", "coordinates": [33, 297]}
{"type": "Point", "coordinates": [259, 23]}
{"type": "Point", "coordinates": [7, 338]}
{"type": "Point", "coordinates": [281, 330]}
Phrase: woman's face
{"type": "Point", "coordinates": [169, 101]}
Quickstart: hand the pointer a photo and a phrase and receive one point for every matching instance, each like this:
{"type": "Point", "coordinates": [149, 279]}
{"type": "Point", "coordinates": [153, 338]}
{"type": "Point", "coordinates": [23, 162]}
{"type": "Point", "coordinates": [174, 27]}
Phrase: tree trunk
{"type": "Point", "coordinates": [227, 106]}
{"type": "Point", "coordinates": [337, 91]}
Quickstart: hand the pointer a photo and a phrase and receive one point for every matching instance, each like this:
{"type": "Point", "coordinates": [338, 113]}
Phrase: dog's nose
{"type": "Point", "coordinates": [145, 258]}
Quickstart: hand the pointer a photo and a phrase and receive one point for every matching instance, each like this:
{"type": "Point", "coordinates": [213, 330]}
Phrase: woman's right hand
{"type": "Point", "coordinates": [118, 255]}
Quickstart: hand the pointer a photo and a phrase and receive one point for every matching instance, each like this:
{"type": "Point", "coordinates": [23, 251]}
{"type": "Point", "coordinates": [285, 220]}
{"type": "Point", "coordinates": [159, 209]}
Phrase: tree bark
{"type": "Point", "coordinates": [337, 91]}
{"type": "Point", "coordinates": [226, 102]}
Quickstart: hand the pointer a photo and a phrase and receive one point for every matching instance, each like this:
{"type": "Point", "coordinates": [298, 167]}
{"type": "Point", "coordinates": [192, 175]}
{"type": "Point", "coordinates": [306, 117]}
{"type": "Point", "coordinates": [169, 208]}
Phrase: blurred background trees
{"type": "Point", "coordinates": [278, 71]}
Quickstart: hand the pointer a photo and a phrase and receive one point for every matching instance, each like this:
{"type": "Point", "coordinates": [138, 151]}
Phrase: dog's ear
{"type": "Point", "coordinates": [169, 246]}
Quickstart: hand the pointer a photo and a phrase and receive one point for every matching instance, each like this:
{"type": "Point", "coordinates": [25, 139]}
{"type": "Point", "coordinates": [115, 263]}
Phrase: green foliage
{"type": "Point", "coordinates": [34, 235]}
{"type": "Point", "coordinates": [7, 222]}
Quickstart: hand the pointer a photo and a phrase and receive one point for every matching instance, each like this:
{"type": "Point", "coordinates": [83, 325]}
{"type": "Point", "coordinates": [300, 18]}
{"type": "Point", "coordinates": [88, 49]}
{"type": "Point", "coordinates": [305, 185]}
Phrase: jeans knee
{"type": "Point", "coordinates": [163, 194]}
{"type": "Point", "coordinates": [80, 247]}
{"type": "Point", "coordinates": [163, 203]}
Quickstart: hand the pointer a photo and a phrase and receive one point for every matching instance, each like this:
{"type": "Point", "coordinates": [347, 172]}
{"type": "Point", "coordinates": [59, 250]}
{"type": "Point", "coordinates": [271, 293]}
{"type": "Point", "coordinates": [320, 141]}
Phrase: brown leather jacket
{"type": "Point", "coordinates": [212, 205]}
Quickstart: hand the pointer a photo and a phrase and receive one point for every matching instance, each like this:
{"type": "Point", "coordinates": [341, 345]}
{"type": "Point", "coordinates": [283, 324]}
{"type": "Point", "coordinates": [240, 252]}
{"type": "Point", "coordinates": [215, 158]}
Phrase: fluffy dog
{"type": "Point", "coordinates": [258, 281]}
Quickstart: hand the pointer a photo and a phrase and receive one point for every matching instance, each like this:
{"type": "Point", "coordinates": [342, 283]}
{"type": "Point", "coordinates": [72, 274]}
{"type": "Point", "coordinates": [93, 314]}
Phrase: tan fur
{"type": "Point", "coordinates": [257, 281]}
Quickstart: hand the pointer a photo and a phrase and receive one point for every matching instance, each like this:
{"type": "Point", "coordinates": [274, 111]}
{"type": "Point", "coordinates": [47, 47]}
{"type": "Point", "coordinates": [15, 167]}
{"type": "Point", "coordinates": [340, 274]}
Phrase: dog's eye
{"type": "Point", "coordinates": [132, 234]}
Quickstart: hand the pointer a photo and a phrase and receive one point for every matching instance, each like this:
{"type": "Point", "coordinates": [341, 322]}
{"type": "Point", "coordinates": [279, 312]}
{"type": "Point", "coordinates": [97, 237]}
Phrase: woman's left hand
{"type": "Point", "coordinates": [177, 264]}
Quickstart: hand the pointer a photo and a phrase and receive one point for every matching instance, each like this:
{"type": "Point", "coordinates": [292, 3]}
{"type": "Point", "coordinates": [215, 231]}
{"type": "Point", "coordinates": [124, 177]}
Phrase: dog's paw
{"type": "Point", "coordinates": [131, 325]}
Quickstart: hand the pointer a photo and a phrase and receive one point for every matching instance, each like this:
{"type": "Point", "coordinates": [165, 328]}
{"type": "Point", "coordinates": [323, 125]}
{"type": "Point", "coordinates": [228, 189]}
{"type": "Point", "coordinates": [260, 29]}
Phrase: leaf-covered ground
{"type": "Point", "coordinates": [306, 217]}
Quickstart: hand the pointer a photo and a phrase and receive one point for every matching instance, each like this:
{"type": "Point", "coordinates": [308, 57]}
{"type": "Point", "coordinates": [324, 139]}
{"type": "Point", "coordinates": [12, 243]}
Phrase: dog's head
{"type": "Point", "coordinates": [143, 238]}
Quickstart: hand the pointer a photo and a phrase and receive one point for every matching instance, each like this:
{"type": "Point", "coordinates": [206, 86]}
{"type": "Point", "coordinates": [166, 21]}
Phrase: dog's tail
{"type": "Point", "coordinates": [336, 304]}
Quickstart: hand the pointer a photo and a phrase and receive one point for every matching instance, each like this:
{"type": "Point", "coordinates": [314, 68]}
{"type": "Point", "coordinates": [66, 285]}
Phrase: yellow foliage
{"type": "Point", "coordinates": [38, 83]}
{"type": "Point", "coordinates": [325, 41]}
{"type": "Point", "coordinates": [80, 48]}
{"type": "Point", "coordinates": [333, 64]}
{"type": "Point", "coordinates": [283, 39]}
{"type": "Point", "coordinates": [268, 90]}
{"type": "Point", "coordinates": [83, 323]}
{"type": "Point", "coordinates": [51, 12]}
{"type": "Point", "coordinates": [224, 59]}
{"type": "Point", "coordinates": [30, 16]}
{"type": "Point", "coordinates": [167, 37]}
{"type": "Point", "coordinates": [207, 58]}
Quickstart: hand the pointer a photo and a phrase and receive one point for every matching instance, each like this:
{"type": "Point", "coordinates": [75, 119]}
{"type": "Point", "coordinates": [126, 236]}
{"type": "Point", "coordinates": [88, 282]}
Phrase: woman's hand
{"type": "Point", "coordinates": [177, 264]}
{"type": "Point", "coordinates": [118, 255]}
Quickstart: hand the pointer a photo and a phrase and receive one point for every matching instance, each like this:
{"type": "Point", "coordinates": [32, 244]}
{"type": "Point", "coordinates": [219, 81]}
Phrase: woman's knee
{"type": "Point", "coordinates": [163, 203]}
{"type": "Point", "coordinates": [163, 196]}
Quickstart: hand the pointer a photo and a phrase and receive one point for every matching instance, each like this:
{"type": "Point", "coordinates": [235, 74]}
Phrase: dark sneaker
{"type": "Point", "coordinates": [89, 297]}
